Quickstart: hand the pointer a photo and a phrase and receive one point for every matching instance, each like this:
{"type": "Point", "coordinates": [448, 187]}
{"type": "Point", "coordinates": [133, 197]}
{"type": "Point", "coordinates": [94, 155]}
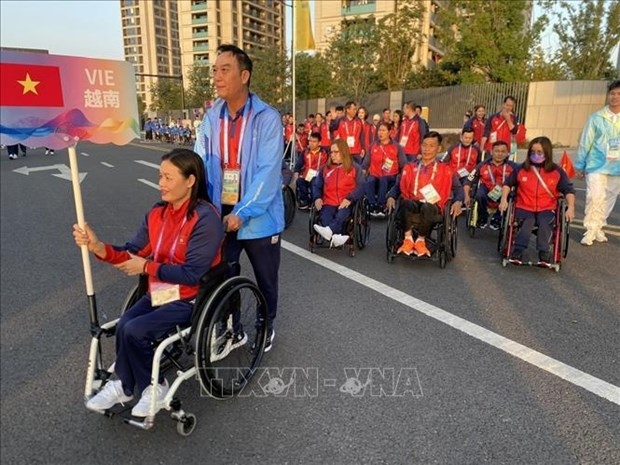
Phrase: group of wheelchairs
{"type": "Point", "coordinates": [225, 305]}
{"type": "Point", "coordinates": [508, 226]}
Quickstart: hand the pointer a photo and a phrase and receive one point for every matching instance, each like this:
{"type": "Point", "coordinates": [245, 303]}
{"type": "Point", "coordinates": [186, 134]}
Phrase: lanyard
{"type": "Point", "coordinates": [411, 120]}
{"type": "Point", "coordinates": [246, 113]}
{"type": "Point", "coordinates": [346, 126]}
{"type": "Point", "coordinates": [417, 176]}
{"type": "Point", "coordinates": [318, 158]}
{"type": "Point", "coordinates": [458, 162]}
{"type": "Point", "coordinates": [174, 242]}
{"type": "Point", "coordinates": [544, 184]}
{"type": "Point", "coordinates": [493, 177]}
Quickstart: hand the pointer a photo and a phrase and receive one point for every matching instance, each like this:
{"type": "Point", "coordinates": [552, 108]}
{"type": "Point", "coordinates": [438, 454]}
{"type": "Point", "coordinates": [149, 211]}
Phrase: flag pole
{"type": "Point", "coordinates": [79, 210]}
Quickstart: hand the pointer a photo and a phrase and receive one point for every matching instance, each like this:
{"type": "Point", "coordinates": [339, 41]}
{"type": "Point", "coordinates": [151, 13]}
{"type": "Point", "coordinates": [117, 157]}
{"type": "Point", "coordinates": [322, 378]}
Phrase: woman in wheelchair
{"type": "Point", "coordinates": [337, 186]}
{"type": "Point", "coordinates": [425, 186]}
{"type": "Point", "coordinates": [539, 183]}
{"type": "Point", "coordinates": [383, 162]}
{"type": "Point", "coordinates": [178, 241]}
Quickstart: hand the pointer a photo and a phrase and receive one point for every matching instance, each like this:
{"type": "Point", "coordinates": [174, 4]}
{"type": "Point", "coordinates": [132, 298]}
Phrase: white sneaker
{"type": "Point", "coordinates": [325, 232]}
{"type": "Point", "coordinates": [111, 394]}
{"type": "Point", "coordinates": [338, 240]}
{"type": "Point", "coordinates": [142, 408]}
{"type": "Point", "coordinates": [600, 236]}
{"type": "Point", "coordinates": [588, 238]}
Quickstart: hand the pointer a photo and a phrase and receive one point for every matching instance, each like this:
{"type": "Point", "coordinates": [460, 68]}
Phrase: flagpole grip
{"type": "Point", "coordinates": [79, 210]}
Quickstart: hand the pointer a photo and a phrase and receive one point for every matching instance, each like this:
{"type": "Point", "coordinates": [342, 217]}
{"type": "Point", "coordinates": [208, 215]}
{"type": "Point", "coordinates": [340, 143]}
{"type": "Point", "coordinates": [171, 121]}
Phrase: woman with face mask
{"type": "Point", "coordinates": [538, 184]}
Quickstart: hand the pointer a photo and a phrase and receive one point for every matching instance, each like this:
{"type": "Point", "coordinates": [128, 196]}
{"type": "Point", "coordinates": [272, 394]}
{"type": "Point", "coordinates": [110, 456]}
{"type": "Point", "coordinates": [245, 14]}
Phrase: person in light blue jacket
{"type": "Point", "coordinates": [598, 157]}
{"type": "Point", "coordinates": [240, 141]}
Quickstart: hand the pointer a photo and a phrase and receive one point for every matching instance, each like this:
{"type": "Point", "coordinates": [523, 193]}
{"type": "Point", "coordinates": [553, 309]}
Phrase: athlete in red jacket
{"type": "Point", "coordinates": [425, 186]}
{"type": "Point", "coordinates": [539, 184]}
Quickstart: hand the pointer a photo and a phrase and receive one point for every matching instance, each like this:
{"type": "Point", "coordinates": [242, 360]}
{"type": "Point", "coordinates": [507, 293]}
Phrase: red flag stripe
{"type": "Point", "coordinates": [26, 85]}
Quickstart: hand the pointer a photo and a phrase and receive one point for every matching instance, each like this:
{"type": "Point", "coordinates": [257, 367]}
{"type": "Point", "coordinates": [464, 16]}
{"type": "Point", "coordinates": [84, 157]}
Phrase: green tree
{"type": "Point", "coordinates": [166, 95]}
{"type": "Point", "coordinates": [270, 76]}
{"type": "Point", "coordinates": [488, 41]}
{"type": "Point", "coordinates": [141, 106]}
{"type": "Point", "coordinates": [587, 30]}
{"type": "Point", "coordinates": [352, 53]}
{"type": "Point", "coordinates": [200, 86]}
{"type": "Point", "coordinates": [541, 68]}
{"type": "Point", "coordinates": [313, 77]}
{"type": "Point", "coordinates": [397, 43]}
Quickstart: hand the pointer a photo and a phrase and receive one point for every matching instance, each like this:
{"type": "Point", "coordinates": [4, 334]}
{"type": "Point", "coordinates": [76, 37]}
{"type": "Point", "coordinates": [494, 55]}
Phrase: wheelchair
{"type": "Point", "coordinates": [357, 228]}
{"type": "Point", "coordinates": [442, 241]}
{"type": "Point", "coordinates": [224, 301]}
{"type": "Point", "coordinates": [472, 211]}
{"type": "Point", "coordinates": [559, 239]}
{"type": "Point", "coordinates": [290, 204]}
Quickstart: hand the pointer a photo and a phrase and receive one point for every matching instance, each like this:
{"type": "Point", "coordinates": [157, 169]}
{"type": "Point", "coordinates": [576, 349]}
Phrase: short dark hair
{"type": "Point", "coordinates": [418, 107]}
{"type": "Point", "coordinates": [433, 135]}
{"type": "Point", "coordinates": [349, 104]}
{"type": "Point", "coordinates": [339, 108]}
{"type": "Point", "coordinates": [613, 85]}
{"type": "Point", "coordinates": [498, 143]}
{"type": "Point", "coordinates": [245, 62]}
{"type": "Point", "coordinates": [509, 97]}
{"type": "Point", "coordinates": [315, 135]}
{"type": "Point", "coordinates": [467, 129]}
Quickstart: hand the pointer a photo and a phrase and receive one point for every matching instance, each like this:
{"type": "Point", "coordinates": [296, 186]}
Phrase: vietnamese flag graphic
{"type": "Point", "coordinates": [25, 85]}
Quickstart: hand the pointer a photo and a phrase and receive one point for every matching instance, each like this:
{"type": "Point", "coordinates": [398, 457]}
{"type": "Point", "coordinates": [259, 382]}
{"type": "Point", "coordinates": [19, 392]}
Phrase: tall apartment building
{"type": "Point", "coordinates": [330, 14]}
{"type": "Point", "coordinates": [167, 37]}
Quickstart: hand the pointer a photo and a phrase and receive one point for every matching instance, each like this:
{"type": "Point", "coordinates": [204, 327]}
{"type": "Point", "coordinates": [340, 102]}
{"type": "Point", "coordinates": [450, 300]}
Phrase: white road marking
{"type": "Point", "coordinates": [107, 164]}
{"type": "Point", "coordinates": [85, 154]}
{"type": "Point", "coordinates": [149, 183]}
{"type": "Point", "coordinates": [566, 372]}
{"type": "Point", "coordinates": [147, 163]}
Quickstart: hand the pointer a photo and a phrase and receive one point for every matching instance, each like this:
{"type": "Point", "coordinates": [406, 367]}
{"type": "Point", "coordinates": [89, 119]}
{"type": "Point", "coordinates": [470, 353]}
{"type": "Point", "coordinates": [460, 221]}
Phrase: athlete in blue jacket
{"type": "Point", "coordinates": [240, 141]}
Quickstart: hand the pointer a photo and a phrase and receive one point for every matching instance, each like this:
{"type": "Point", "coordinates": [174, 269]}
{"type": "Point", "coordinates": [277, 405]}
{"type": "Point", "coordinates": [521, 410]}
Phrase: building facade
{"type": "Point", "coordinates": [330, 14]}
{"type": "Point", "coordinates": [168, 37]}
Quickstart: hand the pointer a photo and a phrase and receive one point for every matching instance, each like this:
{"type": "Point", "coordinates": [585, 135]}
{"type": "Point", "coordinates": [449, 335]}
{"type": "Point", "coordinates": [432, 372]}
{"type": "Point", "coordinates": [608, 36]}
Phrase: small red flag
{"type": "Point", "coordinates": [26, 85]}
{"type": "Point", "coordinates": [567, 165]}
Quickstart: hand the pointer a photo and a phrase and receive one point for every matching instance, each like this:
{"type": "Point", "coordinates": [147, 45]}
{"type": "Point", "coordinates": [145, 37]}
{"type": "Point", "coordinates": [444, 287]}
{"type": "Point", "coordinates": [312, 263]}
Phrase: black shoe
{"type": "Point", "coordinates": [544, 258]}
{"type": "Point", "coordinates": [269, 342]}
{"type": "Point", "coordinates": [516, 257]}
{"type": "Point", "coordinates": [482, 224]}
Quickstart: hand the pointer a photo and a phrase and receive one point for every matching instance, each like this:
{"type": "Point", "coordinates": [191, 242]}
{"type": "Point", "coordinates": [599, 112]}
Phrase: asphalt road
{"type": "Point", "coordinates": [378, 363]}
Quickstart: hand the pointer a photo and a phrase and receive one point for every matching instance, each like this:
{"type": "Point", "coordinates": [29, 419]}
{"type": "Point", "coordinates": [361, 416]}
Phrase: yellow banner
{"type": "Point", "coordinates": [304, 39]}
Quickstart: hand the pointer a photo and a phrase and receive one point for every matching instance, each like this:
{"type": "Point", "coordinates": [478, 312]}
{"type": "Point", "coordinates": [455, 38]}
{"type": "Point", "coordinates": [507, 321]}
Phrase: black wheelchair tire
{"type": "Point", "coordinates": [290, 205]}
{"type": "Point", "coordinates": [210, 315]}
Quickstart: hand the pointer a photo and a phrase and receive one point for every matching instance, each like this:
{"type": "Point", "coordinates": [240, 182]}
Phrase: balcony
{"type": "Point", "coordinates": [200, 48]}
{"type": "Point", "coordinates": [353, 8]}
{"type": "Point", "coordinates": [200, 35]}
{"type": "Point", "coordinates": [200, 20]}
{"type": "Point", "coordinates": [199, 6]}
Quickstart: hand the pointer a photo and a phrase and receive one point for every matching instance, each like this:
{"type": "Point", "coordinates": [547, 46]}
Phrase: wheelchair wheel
{"type": "Point", "coordinates": [361, 225]}
{"type": "Point", "coordinates": [506, 231]}
{"type": "Point", "coordinates": [472, 218]}
{"type": "Point", "coordinates": [454, 228]}
{"type": "Point", "coordinates": [288, 196]}
{"type": "Point", "coordinates": [565, 229]}
{"type": "Point", "coordinates": [224, 363]}
{"type": "Point", "coordinates": [392, 236]}
{"type": "Point", "coordinates": [443, 258]}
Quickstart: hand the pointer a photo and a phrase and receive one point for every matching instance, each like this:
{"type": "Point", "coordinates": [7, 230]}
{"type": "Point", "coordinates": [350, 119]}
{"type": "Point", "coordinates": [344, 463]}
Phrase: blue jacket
{"type": "Point", "coordinates": [260, 206]}
{"type": "Point", "coordinates": [592, 151]}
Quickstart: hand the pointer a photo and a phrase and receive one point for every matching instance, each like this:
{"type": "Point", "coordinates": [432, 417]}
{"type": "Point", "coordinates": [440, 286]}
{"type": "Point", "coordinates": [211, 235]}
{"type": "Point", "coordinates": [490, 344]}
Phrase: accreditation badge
{"type": "Point", "coordinates": [613, 149]}
{"type": "Point", "coordinates": [495, 193]}
{"type": "Point", "coordinates": [164, 293]}
{"type": "Point", "coordinates": [403, 141]}
{"type": "Point", "coordinates": [387, 164]}
{"type": "Point", "coordinates": [463, 172]}
{"type": "Point", "coordinates": [230, 186]}
{"type": "Point", "coordinates": [493, 137]}
{"type": "Point", "coordinates": [430, 194]}
{"type": "Point", "coordinates": [310, 175]}
{"type": "Point", "coordinates": [350, 141]}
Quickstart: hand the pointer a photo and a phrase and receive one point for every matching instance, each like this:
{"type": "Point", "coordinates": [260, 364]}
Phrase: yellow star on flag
{"type": "Point", "coordinates": [29, 85]}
